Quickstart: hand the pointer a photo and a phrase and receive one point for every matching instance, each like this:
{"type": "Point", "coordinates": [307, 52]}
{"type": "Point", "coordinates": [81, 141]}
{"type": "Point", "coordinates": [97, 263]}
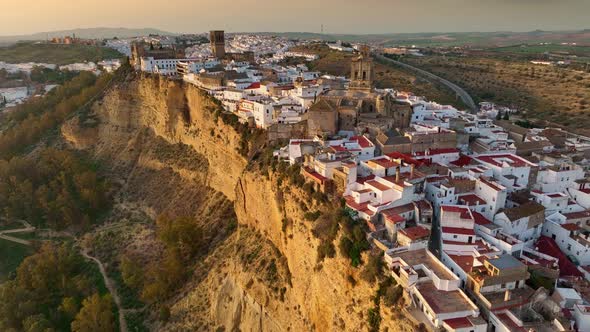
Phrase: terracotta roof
{"type": "Point", "coordinates": [383, 162]}
{"type": "Point", "coordinates": [362, 141]}
{"type": "Point", "coordinates": [255, 85]}
{"type": "Point", "coordinates": [462, 161]}
{"type": "Point", "coordinates": [570, 227]}
{"type": "Point", "coordinates": [377, 185]}
{"type": "Point", "coordinates": [471, 199]}
{"type": "Point", "coordinates": [464, 262]}
{"type": "Point", "coordinates": [498, 159]}
{"type": "Point", "coordinates": [577, 215]}
{"type": "Point", "coordinates": [458, 323]}
{"type": "Point", "coordinates": [432, 152]}
{"type": "Point", "coordinates": [480, 219]}
{"type": "Point", "coordinates": [394, 218]}
{"type": "Point", "coordinates": [415, 233]}
{"type": "Point", "coordinates": [547, 245]}
{"type": "Point", "coordinates": [456, 230]}
{"type": "Point", "coordinates": [400, 209]}
{"type": "Point", "coordinates": [465, 213]}
{"type": "Point", "coordinates": [491, 184]}
{"type": "Point", "coordinates": [406, 158]}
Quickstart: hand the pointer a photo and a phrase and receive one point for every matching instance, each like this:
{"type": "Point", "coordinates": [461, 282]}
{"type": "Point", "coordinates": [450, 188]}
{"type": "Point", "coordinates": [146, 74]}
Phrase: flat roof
{"type": "Point", "coordinates": [443, 302]}
{"type": "Point", "coordinates": [417, 257]}
{"type": "Point", "coordinates": [505, 262]}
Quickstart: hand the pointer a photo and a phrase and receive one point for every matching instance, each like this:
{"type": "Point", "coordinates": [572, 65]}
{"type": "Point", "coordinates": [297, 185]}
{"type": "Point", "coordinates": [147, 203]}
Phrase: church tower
{"type": "Point", "coordinates": [361, 72]}
{"type": "Point", "coordinates": [217, 39]}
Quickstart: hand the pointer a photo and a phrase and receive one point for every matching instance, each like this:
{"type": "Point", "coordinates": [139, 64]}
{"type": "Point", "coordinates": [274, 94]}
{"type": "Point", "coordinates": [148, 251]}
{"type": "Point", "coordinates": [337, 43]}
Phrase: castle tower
{"type": "Point", "coordinates": [361, 71]}
{"type": "Point", "coordinates": [217, 38]}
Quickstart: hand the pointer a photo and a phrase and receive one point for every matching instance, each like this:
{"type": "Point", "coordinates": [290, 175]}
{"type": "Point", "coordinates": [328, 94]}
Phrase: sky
{"type": "Point", "coordinates": [338, 16]}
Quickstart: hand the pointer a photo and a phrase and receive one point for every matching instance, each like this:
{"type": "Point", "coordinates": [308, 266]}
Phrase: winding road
{"type": "Point", "coordinates": [465, 97]}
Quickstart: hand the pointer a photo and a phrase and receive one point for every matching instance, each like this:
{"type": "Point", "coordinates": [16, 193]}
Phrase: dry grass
{"type": "Point", "coordinates": [548, 93]}
{"type": "Point", "coordinates": [386, 75]}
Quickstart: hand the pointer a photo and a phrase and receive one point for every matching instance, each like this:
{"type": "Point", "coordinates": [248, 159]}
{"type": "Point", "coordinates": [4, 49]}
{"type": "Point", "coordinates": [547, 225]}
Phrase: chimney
{"type": "Point", "coordinates": [397, 173]}
{"type": "Point", "coordinates": [412, 170]}
{"type": "Point", "coordinates": [507, 295]}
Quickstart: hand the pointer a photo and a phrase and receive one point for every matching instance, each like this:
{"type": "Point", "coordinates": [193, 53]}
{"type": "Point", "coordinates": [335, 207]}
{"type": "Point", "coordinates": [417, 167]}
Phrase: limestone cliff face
{"type": "Point", "coordinates": [171, 110]}
{"type": "Point", "coordinates": [137, 129]}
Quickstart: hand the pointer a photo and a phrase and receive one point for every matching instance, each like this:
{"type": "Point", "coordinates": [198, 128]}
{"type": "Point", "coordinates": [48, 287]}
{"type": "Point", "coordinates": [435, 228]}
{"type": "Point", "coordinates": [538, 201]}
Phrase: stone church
{"type": "Point", "coordinates": [359, 108]}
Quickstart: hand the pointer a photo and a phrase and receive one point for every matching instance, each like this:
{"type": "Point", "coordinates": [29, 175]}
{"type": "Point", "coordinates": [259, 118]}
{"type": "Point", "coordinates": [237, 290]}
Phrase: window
{"type": "Point", "coordinates": [454, 236]}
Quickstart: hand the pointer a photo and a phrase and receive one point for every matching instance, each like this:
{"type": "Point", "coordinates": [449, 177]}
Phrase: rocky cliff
{"type": "Point", "coordinates": [168, 150]}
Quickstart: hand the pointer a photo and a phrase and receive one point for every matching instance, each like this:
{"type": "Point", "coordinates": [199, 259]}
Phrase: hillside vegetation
{"type": "Point", "coordinates": [548, 93]}
{"type": "Point", "coordinates": [55, 53]}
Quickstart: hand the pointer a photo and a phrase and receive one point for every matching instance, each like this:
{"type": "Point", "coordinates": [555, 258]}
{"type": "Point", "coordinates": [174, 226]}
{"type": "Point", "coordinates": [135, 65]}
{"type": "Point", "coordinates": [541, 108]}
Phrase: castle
{"type": "Point", "coordinates": [358, 108]}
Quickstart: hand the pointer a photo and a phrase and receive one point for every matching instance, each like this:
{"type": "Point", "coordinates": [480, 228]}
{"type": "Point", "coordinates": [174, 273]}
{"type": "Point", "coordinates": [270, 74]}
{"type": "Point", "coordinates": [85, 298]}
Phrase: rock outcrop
{"type": "Point", "coordinates": [168, 150]}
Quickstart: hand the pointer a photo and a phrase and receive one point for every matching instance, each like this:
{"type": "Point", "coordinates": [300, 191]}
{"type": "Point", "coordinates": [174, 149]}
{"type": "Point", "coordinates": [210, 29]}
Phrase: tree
{"type": "Point", "coordinates": [131, 272]}
{"type": "Point", "coordinates": [69, 306]}
{"type": "Point", "coordinates": [506, 116]}
{"type": "Point", "coordinates": [37, 323]}
{"type": "Point", "coordinates": [499, 115]}
{"type": "Point", "coordinates": [96, 315]}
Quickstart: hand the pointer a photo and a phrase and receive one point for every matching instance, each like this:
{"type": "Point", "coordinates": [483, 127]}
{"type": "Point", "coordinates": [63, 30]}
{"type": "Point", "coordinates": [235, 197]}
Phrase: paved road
{"type": "Point", "coordinates": [465, 97]}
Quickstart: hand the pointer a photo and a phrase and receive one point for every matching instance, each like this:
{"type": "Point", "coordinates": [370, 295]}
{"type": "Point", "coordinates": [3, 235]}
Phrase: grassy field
{"type": "Point", "coordinates": [386, 75]}
{"type": "Point", "coordinates": [11, 255]}
{"type": "Point", "coordinates": [56, 54]}
{"type": "Point", "coordinates": [550, 93]}
{"type": "Point", "coordinates": [539, 49]}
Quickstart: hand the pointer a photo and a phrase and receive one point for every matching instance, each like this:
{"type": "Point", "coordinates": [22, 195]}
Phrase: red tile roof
{"type": "Point", "coordinates": [415, 233]}
{"type": "Point", "coordinates": [456, 230]}
{"type": "Point", "coordinates": [377, 185]}
{"type": "Point", "coordinates": [480, 219]}
{"type": "Point", "coordinates": [255, 85]}
{"type": "Point", "coordinates": [383, 162]}
{"type": "Point", "coordinates": [570, 227]}
{"type": "Point", "coordinates": [362, 141]}
{"type": "Point", "coordinates": [465, 213]}
{"type": "Point", "coordinates": [577, 215]}
{"type": "Point", "coordinates": [394, 218]}
{"type": "Point", "coordinates": [432, 152]}
{"type": "Point", "coordinates": [496, 160]}
{"type": "Point", "coordinates": [458, 323]}
{"type": "Point", "coordinates": [462, 161]}
{"type": "Point", "coordinates": [547, 245]}
{"type": "Point", "coordinates": [365, 179]}
{"type": "Point", "coordinates": [406, 158]}
{"type": "Point", "coordinates": [464, 262]}
{"type": "Point", "coordinates": [490, 184]}
{"type": "Point", "coordinates": [310, 173]}
{"type": "Point", "coordinates": [471, 199]}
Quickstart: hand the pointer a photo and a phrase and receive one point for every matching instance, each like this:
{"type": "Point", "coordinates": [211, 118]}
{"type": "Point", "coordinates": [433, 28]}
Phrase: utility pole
{"type": "Point", "coordinates": [322, 29]}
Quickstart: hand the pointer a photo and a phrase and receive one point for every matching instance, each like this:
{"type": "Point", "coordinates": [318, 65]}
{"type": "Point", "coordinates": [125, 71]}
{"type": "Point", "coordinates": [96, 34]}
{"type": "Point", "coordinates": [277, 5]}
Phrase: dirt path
{"type": "Point", "coordinates": [83, 251]}
{"type": "Point", "coordinates": [26, 229]}
{"type": "Point", "coordinates": [112, 289]}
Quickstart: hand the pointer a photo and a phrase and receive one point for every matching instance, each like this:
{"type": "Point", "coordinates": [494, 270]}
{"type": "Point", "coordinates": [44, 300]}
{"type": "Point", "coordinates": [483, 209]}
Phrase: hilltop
{"type": "Point", "coordinates": [90, 33]}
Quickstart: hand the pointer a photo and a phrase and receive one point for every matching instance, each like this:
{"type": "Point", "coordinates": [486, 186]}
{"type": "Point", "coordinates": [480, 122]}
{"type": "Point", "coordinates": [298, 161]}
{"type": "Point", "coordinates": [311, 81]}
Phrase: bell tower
{"type": "Point", "coordinates": [361, 71]}
{"type": "Point", "coordinates": [217, 39]}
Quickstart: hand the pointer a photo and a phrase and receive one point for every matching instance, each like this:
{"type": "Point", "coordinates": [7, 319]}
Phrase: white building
{"type": "Point", "coordinates": [261, 111]}
{"type": "Point", "coordinates": [435, 290]}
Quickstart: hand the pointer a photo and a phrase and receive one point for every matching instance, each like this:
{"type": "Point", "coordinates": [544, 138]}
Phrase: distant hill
{"type": "Point", "coordinates": [500, 38]}
{"type": "Point", "coordinates": [98, 33]}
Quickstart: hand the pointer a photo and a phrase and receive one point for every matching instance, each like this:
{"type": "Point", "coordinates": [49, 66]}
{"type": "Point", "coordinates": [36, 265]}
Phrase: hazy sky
{"type": "Point", "coordinates": [338, 16]}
